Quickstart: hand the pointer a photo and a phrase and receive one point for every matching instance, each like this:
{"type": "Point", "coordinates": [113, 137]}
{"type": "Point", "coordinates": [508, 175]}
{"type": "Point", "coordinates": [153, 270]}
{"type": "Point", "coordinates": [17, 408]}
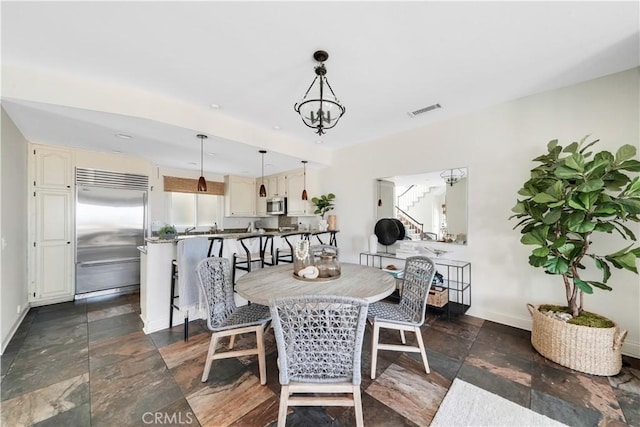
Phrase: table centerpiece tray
{"type": "Point", "coordinates": [317, 279]}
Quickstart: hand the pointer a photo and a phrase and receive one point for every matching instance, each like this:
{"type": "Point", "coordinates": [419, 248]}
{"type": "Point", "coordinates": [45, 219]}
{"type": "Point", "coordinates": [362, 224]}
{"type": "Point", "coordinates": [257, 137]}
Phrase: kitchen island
{"type": "Point", "coordinates": [156, 259]}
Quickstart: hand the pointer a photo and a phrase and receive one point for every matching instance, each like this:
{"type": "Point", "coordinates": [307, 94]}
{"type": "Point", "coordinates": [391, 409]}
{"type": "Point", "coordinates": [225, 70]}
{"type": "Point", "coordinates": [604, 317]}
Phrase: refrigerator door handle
{"type": "Point", "coordinates": [108, 262]}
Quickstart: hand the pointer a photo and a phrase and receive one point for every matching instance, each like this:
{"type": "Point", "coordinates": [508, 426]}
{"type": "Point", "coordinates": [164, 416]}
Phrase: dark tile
{"type": "Point", "coordinates": [118, 349]}
{"type": "Point", "coordinates": [508, 366]}
{"type": "Point", "coordinates": [262, 415]}
{"type": "Point", "coordinates": [55, 335]}
{"type": "Point", "coordinates": [446, 366]}
{"type": "Point", "coordinates": [68, 307]}
{"type": "Point", "coordinates": [116, 326]}
{"type": "Point", "coordinates": [631, 362]}
{"type": "Point", "coordinates": [508, 339]}
{"type": "Point", "coordinates": [563, 411]}
{"type": "Point", "coordinates": [630, 405]}
{"type": "Point", "coordinates": [56, 322]}
{"type": "Point", "coordinates": [376, 414]}
{"type": "Point", "coordinates": [461, 329]}
{"type": "Point", "coordinates": [49, 365]}
{"type": "Point", "coordinates": [628, 380]}
{"type": "Point", "coordinates": [112, 387]}
{"type": "Point", "coordinates": [310, 416]}
{"type": "Point", "coordinates": [169, 336]}
{"type": "Point", "coordinates": [447, 344]}
{"type": "Point", "coordinates": [582, 390]}
{"type": "Point", "coordinates": [486, 380]}
{"type": "Point", "coordinates": [78, 416]}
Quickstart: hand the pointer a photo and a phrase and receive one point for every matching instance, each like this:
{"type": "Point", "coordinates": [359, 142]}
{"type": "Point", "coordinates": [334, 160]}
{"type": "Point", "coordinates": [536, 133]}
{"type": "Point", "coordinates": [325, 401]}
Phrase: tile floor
{"type": "Point", "coordinates": [89, 364]}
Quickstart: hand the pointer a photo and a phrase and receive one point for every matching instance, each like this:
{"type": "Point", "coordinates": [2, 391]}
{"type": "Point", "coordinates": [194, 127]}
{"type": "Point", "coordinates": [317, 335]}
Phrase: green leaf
{"type": "Point", "coordinates": [575, 219]}
{"type": "Point", "coordinates": [560, 241]}
{"type": "Point", "coordinates": [525, 192]}
{"type": "Point", "coordinates": [583, 286]}
{"type": "Point", "coordinates": [605, 209]}
{"type": "Point", "coordinates": [630, 165]}
{"type": "Point", "coordinates": [537, 261]}
{"type": "Point", "coordinates": [626, 229]}
{"type": "Point", "coordinates": [556, 265]}
{"type": "Point", "coordinates": [552, 216]}
{"type": "Point", "coordinates": [556, 204]}
{"type": "Point", "coordinates": [600, 285]}
{"type": "Point", "coordinates": [519, 208]}
{"type": "Point", "coordinates": [541, 252]}
{"type": "Point", "coordinates": [627, 261]}
{"type": "Point", "coordinates": [604, 267]}
{"type": "Point", "coordinates": [633, 189]}
{"type": "Point", "coordinates": [620, 252]}
{"type": "Point", "coordinates": [555, 190]}
{"type": "Point", "coordinates": [535, 237]}
{"type": "Point", "coordinates": [567, 248]}
{"type": "Point", "coordinates": [571, 148]}
{"type": "Point", "coordinates": [576, 203]}
{"type": "Point", "coordinates": [625, 152]}
{"type": "Point", "coordinates": [588, 199]}
{"type": "Point", "coordinates": [583, 149]}
{"type": "Point", "coordinates": [631, 206]}
{"type": "Point", "coordinates": [564, 172]}
{"type": "Point", "coordinates": [592, 185]}
{"type": "Point", "coordinates": [552, 145]}
{"type": "Point", "coordinates": [583, 227]}
{"type": "Point", "coordinates": [604, 227]}
{"type": "Point", "coordinates": [575, 162]}
{"type": "Point", "coordinates": [544, 198]}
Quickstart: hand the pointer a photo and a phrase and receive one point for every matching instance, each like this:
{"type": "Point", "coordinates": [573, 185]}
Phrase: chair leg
{"type": "Point", "coordinates": [357, 406]}
{"type": "Point", "coordinates": [262, 363]}
{"type": "Point", "coordinates": [374, 349]}
{"type": "Point", "coordinates": [232, 341]}
{"type": "Point", "coordinates": [284, 404]}
{"type": "Point", "coordinates": [423, 352]}
{"type": "Point", "coordinates": [402, 337]}
{"type": "Point", "coordinates": [212, 350]}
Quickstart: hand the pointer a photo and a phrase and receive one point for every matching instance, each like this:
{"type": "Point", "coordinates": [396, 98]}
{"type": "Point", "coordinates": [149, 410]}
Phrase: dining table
{"type": "Point", "coordinates": [356, 281]}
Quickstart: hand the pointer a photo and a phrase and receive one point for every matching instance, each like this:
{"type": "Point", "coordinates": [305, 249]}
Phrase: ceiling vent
{"type": "Point", "coordinates": [424, 110]}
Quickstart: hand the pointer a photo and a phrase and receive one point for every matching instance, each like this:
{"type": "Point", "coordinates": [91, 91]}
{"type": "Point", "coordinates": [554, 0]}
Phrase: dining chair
{"type": "Point", "coordinates": [319, 340]}
{"type": "Point", "coordinates": [408, 314]}
{"type": "Point", "coordinates": [225, 319]}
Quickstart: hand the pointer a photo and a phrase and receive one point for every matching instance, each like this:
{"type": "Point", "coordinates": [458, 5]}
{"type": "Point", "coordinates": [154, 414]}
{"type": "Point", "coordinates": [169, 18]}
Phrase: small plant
{"type": "Point", "coordinates": [323, 204]}
{"type": "Point", "coordinates": [571, 195]}
{"type": "Point", "coordinates": [167, 229]}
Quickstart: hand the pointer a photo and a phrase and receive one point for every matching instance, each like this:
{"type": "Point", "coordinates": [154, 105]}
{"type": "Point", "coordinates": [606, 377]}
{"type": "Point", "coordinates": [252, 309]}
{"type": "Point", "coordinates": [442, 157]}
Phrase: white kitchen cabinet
{"type": "Point", "coordinates": [52, 279]}
{"type": "Point", "coordinates": [276, 185]}
{"type": "Point", "coordinates": [52, 168]}
{"type": "Point", "coordinates": [295, 185]}
{"type": "Point", "coordinates": [240, 196]}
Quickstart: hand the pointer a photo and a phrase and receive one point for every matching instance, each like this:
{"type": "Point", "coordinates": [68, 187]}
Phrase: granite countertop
{"type": "Point", "coordinates": [229, 235]}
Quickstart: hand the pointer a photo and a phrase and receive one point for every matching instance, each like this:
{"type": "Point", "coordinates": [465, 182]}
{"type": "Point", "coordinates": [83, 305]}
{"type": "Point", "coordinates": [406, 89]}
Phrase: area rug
{"type": "Point", "coordinates": [468, 405]}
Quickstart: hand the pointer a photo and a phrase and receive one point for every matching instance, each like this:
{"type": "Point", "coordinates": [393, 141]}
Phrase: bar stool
{"type": "Point", "coordinates": [264, 254]}
{"type": "Point", "coordinates": [215, 241]}
{"type": "Point", "coordinates": [285, 254]}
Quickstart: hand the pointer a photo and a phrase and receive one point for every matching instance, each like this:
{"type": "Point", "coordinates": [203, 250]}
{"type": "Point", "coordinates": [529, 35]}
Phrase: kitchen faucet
{"type": "Point", "coordinates": [189, 230]}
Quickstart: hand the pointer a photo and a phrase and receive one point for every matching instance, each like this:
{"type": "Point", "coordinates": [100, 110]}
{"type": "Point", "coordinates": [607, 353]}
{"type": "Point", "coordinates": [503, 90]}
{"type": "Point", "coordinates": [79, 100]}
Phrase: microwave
{"type": "Point", "coordinates": [277, 206]}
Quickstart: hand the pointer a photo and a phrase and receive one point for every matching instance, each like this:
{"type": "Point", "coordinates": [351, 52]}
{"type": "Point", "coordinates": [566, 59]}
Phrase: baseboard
{"type": "Point", "coordinates": [14, 328]}
{"type": "Point", "coordinates": [51, 301]}
{"type": "Point", "coordinates": [629, 348]}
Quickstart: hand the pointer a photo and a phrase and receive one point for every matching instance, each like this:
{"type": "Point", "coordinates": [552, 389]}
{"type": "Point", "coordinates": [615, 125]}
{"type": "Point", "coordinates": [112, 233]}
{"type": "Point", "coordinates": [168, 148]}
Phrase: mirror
{"type": "Point", "coordinates": [432, 206]}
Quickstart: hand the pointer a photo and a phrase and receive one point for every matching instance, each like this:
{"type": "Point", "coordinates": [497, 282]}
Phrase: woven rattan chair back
{"type": "Point", "coordinates": [418, 276]}
{"type": "Point", "coordinates": [215, 281]}
{"type": "Point", "coordinates": [319, 341]}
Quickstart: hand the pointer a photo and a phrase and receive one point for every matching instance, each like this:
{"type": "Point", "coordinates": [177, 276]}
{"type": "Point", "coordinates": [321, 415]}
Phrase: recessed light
{"type": "Point", "coordinates": [192, 163]}
{"type": "Point", "coordinates": [210, 153]}
{"type": "Point", "coordinates": [116, 151]}
{"type": "Point", "coordinates": [319, 141]}
{"type": "Point", "coordinates": [268, 165]}
{"type": "Point", "coordinates": [213, 105]}
{"type": "Point", "coordinates": [123, 136]}
{"type": "Point", "coordinates": [276, 127]}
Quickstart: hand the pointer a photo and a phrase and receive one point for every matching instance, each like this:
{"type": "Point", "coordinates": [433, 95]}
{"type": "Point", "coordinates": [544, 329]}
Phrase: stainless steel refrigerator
{"type": "Point", "coordinates": [111, 222]}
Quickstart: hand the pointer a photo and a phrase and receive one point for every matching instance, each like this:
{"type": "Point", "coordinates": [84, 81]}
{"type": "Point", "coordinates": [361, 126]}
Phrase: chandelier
{"type": "Point", "coordinates": [319, 108]}
{"type": "Point", "coordinates": [452, 176]}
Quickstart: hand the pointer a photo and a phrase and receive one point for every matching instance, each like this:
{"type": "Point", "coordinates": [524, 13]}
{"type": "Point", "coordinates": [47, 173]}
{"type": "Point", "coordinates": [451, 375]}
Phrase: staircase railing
{"type": "Point", "coordinates": [413, 223]}
{"type": "Point", "coordinates": [411, 196]}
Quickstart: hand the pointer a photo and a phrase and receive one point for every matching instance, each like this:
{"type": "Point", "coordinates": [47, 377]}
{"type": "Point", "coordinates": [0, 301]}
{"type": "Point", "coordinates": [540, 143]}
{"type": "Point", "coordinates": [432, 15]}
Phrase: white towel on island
{"type": "Point", "coordinates": [189, 253]}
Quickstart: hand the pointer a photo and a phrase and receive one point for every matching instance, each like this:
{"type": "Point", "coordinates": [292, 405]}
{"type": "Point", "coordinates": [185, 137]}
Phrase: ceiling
{"type": "Point", "coordinates": [79, 73]}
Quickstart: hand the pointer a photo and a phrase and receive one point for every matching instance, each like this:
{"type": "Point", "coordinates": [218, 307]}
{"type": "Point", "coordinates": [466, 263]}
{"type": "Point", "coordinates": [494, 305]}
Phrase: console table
{"type": "Point", "coordinates": [456, 279]}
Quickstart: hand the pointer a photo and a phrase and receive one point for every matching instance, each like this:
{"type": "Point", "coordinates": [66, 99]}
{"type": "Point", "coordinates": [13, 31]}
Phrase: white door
{"type": "Point", "coordinates": [53, 248]}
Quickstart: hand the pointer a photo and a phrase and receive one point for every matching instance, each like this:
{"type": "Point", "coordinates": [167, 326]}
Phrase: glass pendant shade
{"type": "Point", "coordinates": [262, 192]}
{"type": "Point", "coordinates": [202, 183]}
{"type": "Point", "coordinates": [304, 187]}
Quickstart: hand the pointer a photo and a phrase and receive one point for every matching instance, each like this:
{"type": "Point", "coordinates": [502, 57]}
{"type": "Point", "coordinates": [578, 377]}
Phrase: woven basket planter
{"type": "Point", "coordinates": [595, 351]}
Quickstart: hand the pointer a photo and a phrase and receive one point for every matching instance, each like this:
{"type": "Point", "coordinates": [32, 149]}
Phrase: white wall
{"type": "Point", "coordinates": [13, 227]}
{"type": "Point", "coordinates": [497, 145]}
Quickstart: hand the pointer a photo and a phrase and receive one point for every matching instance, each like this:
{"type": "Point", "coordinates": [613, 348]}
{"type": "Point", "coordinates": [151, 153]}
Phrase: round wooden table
{"type": "Point", "coordinates": [358, 281]}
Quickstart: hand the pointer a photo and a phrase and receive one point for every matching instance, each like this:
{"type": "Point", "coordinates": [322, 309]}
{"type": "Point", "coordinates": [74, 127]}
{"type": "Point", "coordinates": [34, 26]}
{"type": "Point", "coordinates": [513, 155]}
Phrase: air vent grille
{"type": "Point", "coordinates": [424, 110]}
{"type": "Point", "coordinates": [106, 179]}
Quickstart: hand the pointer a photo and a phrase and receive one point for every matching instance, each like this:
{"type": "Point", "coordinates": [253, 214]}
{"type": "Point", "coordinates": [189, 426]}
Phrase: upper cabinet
{"type": "Point", "coordinates": [276, 185]}
{"type": "Point", "coordinates": [53, 168]}
{"type": "Point", "coordinates": [240, 196]}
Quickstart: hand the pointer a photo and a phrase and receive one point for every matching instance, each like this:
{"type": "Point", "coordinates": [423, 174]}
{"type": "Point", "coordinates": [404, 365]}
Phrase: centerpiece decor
{"type": "Point", "coordinates": [302, 257]}
{"type": "Point", "coordinates": [572, 194]}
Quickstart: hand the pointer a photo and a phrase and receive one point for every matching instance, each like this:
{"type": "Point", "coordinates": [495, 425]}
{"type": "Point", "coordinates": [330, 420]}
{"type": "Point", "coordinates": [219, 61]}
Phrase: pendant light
{"type": "Point", "coordinates": [452, 176]}
{"type": "Point", "coordinates": [202, 183]}
{"type": "Point", "coordinates": [379, 199]}
{"type": "Point", "coordinates": [263, 190]}
{"type": "Point", "coordinates": [304, 187]}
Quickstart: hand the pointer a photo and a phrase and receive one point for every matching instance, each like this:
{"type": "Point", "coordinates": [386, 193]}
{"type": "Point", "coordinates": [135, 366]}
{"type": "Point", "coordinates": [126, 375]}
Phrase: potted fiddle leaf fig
{"type": "Point", "coordinates": [573, 194]}
{"type": "Point", "coordinates": [323, 203]}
